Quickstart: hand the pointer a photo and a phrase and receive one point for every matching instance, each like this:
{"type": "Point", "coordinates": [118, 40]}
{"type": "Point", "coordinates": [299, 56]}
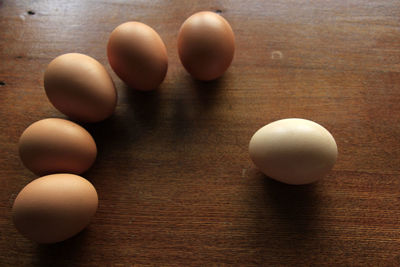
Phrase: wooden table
{"type": "Point", "coordinates": [174, 178]}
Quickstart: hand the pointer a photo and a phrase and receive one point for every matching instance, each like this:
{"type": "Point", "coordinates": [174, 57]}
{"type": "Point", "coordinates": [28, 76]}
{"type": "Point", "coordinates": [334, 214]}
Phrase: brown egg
{"type": "Point", "coordinates": [206, 45]}
{"type": "Point", "coordinates": [56, 145]}
{"type": "Point", "coordinates": [80, 87]}
{"type": "Point", "coordinates": [53, 208]}
{"type": "Point", "coordinates": [138, 55]}
{"type": "Point", "coordinates": [293, 151]}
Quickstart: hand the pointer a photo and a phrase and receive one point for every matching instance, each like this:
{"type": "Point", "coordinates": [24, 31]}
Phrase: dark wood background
{"type": "Point", "coordinates": [174, 178]}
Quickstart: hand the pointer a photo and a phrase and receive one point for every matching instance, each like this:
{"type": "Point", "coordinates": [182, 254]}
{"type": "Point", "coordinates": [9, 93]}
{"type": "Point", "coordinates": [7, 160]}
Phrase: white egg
{"type": "Point", "coordinates": [293, 151]}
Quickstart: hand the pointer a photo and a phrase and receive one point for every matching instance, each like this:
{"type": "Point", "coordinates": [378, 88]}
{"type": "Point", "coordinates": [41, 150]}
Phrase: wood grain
{"type": "Point", "coordinates": [174, 178]}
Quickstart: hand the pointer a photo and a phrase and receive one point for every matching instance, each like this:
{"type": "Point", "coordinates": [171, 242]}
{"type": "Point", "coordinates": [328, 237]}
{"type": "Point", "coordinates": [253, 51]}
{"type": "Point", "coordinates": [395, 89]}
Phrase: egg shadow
{"type": "Point", "coordinates": [296, 205]}
{"type": "Point", "coordinates": [144, 106]}
{"type": "Point", "coordinates": [112, 134]}
{"type": "Point", "coordinates": [193, 108]}
{"type": "Point", "coordinates": [208, 92]}
{"type": "Point", "coordinates": [286, 218]}
{"type": "Point", "coordinates": [136, 115]}
{"type": "Point", "coordinates": [292, 210]}
{"type": "Point", "coordinates": [66, 253]}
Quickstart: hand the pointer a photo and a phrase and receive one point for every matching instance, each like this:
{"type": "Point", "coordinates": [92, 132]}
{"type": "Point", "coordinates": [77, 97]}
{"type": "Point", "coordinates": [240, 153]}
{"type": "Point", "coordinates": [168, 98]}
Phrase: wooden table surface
{"type": "Point", "coordinates": [175, 182]}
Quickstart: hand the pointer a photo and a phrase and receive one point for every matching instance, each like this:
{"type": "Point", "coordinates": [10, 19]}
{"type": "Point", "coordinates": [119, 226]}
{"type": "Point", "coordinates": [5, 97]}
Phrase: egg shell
{"type": "Point", "coordinates": [80, 87]}
{"type": "Point", "coordinates": [293, 151]}
{"type": "Point", "coordinates": [206, 45]}
{"type": "Point", "coordinates": [137, 55]}
{"type": "Point", "coordinates": [53, 208]}
{"type": "Point", "coordinates": [57, 145]}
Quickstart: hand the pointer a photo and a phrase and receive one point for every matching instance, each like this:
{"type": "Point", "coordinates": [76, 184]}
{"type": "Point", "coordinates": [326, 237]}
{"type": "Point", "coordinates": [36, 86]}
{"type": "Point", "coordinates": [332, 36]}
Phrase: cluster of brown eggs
{"type": "Point", "coordinates": [61, 203]}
